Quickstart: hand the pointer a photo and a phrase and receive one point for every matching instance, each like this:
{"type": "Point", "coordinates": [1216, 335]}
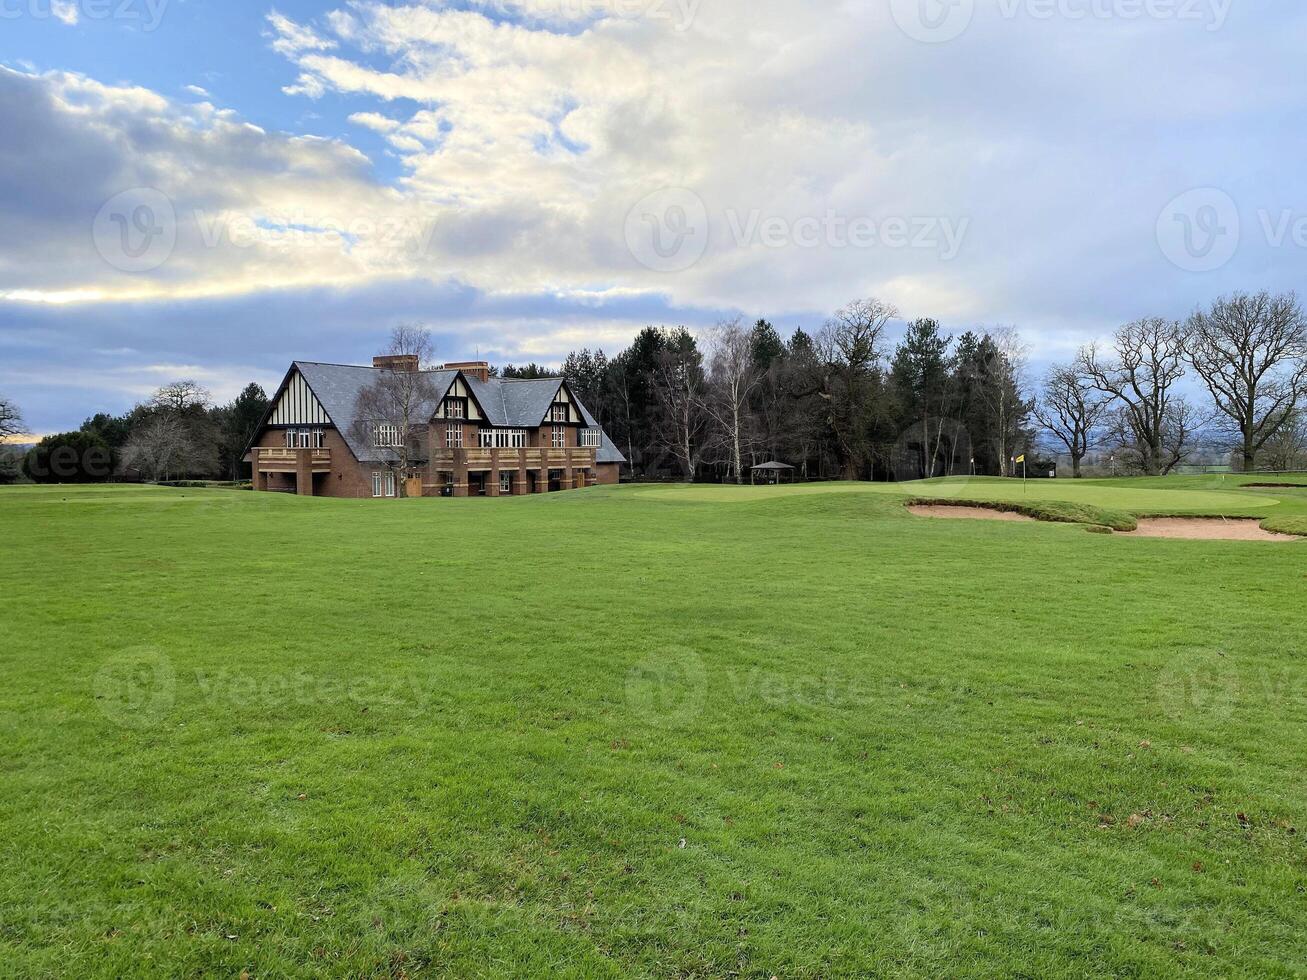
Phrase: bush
{"type": "Point", "coordinates": [70, 457]}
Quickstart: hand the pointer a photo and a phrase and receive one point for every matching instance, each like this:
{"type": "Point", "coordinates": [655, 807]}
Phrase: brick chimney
{"type": "Point", "coordinates": [473, 369]}
{"type": "Point", "coordinates": [403, 363]}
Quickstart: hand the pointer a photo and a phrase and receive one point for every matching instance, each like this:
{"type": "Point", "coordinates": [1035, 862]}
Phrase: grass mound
{"type": "Point", "coordinates": [1288, 524]}
{"type": "Point", "coordinates": [1052, 511]}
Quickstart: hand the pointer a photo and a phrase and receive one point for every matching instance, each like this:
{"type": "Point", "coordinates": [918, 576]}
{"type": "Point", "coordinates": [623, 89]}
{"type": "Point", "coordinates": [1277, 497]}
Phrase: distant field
{"type": "Point", "coordinates": [633, 732]}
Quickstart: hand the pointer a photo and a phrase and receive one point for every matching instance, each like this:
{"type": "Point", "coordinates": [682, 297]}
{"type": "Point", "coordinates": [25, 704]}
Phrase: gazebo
{"type": "Point", "coordinates": [772, 472]}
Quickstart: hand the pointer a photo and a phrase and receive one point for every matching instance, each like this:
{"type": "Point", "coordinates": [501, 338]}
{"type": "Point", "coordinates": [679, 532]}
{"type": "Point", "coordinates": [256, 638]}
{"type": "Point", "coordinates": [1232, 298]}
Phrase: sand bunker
{"type": "Point", "coordinates": [965, 513]}
{"type": "Point", "coordinates": [1190, 528]}
{"type": "Point", "coordinates": [1206, 529]}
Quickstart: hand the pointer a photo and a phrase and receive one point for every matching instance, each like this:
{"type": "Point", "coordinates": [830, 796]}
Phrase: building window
{"type": "Point", "coordinates": [506, 481]}
{"type": "Point", "coordinates": [304, 439]}
{"type": "Point", "coordinates": [454, 435]}
{"type": "Point", "coordinates": [383, 483]}
{"type": "Point", "coordinates": [558, 414]}
{"type": "Point", "coordinates": [560, 437]}
{"type": "Point", "coordinates": [502, 438]}
{"type": "Point", "coordinates": [455, 408]}
{"type": "Point", "coordinates": [386, 436]}
{"type": "Point", "coordinates": [590, 438]}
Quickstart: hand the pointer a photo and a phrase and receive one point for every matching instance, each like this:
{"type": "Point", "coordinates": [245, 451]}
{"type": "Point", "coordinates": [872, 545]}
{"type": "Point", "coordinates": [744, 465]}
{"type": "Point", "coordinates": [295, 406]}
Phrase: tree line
{"type": "Point", "coordinates": [1247, 353]}
{"type": "Point", "coordinates": [841, 402]}
{"type": "Point", "coordinates": [179, 433]}
{"type": "Point", "coordinates": [837, 403]}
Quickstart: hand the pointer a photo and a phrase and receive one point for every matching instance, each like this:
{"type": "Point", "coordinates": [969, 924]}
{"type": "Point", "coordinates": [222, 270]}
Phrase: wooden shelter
{"type": "Point", "coordinates": [772, 473]}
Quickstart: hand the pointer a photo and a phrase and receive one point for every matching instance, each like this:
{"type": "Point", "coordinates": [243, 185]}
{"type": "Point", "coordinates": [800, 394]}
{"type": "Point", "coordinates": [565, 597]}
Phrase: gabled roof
{"type": "Point", "coordinates": [520, 404]}
{"type": "Point", "coordinates": [337, 387]}
{"type": "Point", "coordinates": [506, 403]}
{"type": "Point", "coordinates": [524, 405]}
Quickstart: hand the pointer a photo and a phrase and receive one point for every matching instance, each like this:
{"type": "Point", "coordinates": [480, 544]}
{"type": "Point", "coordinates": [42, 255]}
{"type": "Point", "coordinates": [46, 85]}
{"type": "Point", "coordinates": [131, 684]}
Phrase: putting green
{"type": "Point", "coordinates": [1136, 500]}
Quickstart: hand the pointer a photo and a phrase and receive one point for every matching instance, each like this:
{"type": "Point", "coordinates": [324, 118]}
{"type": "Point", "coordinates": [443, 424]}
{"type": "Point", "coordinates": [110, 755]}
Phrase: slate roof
{"type": "Point", "coordinates": [506, 403]}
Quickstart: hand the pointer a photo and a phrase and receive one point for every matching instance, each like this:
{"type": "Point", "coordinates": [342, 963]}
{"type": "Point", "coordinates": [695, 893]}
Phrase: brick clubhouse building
{"type": "Point", "coordinates": [478, 435]}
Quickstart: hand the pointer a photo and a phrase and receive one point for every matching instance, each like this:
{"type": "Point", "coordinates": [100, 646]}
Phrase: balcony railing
{"type": "Point", "coordinates": [532, 457]}
{"type": "Point", "coordinates": [288, 460]}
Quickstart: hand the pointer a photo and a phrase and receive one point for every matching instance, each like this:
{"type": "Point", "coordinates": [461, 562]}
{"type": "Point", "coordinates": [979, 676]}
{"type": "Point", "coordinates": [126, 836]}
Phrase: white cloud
{"type": "Point", "coordinates": [198, 90]}
{"type": "Point", "coordinates": [292, 39]}
{"type": "Point", "coordinates": [65, 11]}
{"type": "Point", "coordinates": [375, 121]}
{"type": "Point", "coordinates": [529, 129]}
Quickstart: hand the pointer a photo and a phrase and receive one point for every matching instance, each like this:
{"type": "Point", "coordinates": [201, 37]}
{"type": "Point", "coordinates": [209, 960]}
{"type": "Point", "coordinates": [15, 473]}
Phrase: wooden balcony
{"type": "Point", "coordinates": [530, 458]}
{"type": "Point", "coordinates": [281, 460]}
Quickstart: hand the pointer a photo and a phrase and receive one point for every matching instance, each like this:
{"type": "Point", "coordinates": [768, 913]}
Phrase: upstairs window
{"type": "Point", "coordinates": [560, 437]}
{"type": "Point", "coordinates": [455, 408]}
{"type": "Point", "coordinates": [386, 436]}
{"type": "Point", "coordinates": [454, 435]}
{"type": "Point", "coordinates": [558, 413]}
{"type": "Point", "coordinates": [305, 439]}
{"type": "Point", "coordinates": [590, 438]}
{"type": "Point", "coordinates": [502, 438]}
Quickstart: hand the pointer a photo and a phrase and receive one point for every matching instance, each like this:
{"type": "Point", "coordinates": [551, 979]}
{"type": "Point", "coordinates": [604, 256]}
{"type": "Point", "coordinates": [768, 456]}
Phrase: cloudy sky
{"type": "Point", "coordinates": [210, 188]}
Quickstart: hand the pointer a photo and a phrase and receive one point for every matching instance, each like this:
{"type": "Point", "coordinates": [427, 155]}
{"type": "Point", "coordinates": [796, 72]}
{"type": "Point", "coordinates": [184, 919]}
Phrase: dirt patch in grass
{"type": "Point", "coordinates": [965, 513]}
{"type": "Point", "coordinates": [1206, 529]}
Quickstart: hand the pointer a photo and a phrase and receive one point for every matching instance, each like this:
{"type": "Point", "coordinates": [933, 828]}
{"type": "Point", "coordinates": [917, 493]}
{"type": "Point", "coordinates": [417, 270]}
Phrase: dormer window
{"type": "Point", "coordinates": [386, 435]}
{"type": "Point", "coordinates": [455, 408]}
{"type": "Point", "coordinates": [558, 413]}
{"type": "Point", "coordinates": [589, 438]}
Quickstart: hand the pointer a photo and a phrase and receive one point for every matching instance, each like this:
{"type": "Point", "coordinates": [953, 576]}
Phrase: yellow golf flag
{"type": "Point", "coordinates": [1021, 459]}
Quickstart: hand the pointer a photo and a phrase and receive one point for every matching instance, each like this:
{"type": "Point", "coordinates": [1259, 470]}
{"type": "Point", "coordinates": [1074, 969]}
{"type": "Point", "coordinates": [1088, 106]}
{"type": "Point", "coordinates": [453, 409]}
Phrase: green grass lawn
{"type": "Point", "coordinates": [694, 732]}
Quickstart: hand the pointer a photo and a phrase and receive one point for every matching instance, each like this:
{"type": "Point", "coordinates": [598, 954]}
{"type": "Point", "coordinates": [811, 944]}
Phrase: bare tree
{"type": "Point", "coordinates": [178, 396]}
{"type": "Point", "coordinates": [1287, 449]}
{"type": "Point", "coordinates": [851, 348]}
{"type": "Point", "coordinates": [1071, 409]}
{"type": "Point", "coordinates": [733, 379]}
{"type": "Point", "coordinates": [1008, 409]}
{"type": "Point", "coordinates": [11, 419]}
{"type": "Point", "coordinates": [392, 413]}
{"type": "Point", "coordinates": [1250, 349]}
{"type": "Point", "coordinates": [680, 392]}
{"type": "Point", "coordinates": [1177, 438]}
{"type": "Point", "coordinates": [1141, 371]}
{"type": "Point", "coordinates": [163, 447]}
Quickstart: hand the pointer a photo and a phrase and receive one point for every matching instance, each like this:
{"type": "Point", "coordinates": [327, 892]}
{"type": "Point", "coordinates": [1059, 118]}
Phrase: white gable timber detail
{"type": "Point", "coordinates": [460, 390]}
{"type": "Point", "coordinates": [564, 397]}
{"type": "Point", "coordinates": [298, 406]}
